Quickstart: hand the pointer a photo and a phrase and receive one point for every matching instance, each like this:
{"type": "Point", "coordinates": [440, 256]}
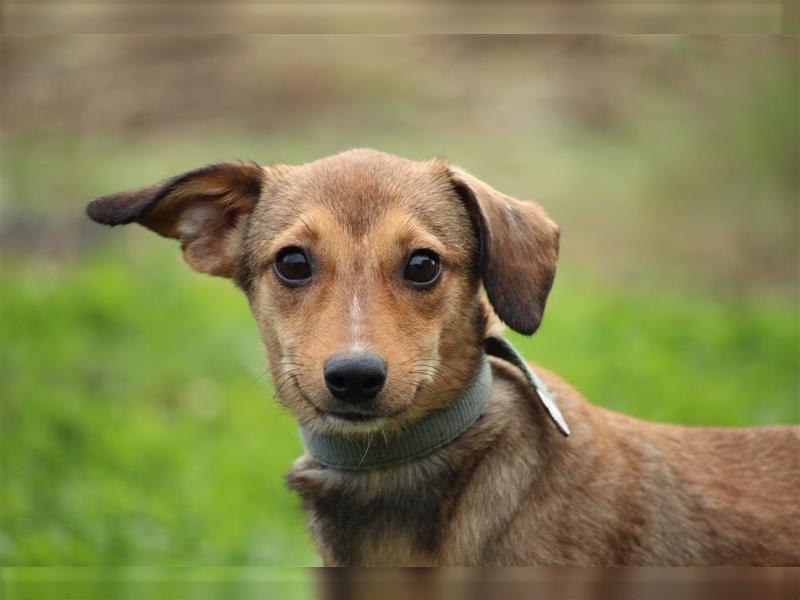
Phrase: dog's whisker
{"type": "Point", "coordinates": [259, 376]}
{"type": "Point", "coordinates": [369, 443]}
{"type": "Point", "coordinates": [284, 374]}
{"type": "Point", "coordinates": [283, 383]}
{"type": "Point", "coordinates": [432, 371]}
{"type": "Point", "coordinates": [383, 433]}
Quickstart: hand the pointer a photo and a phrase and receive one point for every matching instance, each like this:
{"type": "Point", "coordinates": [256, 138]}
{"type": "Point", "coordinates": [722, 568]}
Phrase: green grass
{"type": "Point", "coordinates": [156, 583]}
{"type": "Point", "coordinates": [136, 429]}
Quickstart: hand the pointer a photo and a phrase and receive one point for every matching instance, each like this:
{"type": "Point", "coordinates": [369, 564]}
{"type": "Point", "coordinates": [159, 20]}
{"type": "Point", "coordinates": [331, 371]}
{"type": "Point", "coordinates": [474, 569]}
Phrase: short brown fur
{"type": "Point", "coordinates": [511, 490]}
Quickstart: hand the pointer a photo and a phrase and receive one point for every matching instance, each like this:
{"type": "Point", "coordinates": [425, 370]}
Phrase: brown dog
{"type": "Point", "coordinates": [364, 271]}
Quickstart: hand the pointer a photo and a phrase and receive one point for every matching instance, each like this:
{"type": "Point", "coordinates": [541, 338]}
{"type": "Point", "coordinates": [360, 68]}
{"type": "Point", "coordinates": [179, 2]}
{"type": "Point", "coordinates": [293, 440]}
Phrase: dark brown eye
{"type": "Point", "coordinates": [292, 266]}
{"type": "Point", "coordinates": [422, 269]}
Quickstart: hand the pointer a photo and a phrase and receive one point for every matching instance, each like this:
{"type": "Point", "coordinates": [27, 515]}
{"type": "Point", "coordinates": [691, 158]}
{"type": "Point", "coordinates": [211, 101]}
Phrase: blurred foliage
{"type": "Point", "coordinates": [684, 149]}
{"type": "Point", "coordinates": [138, 426]}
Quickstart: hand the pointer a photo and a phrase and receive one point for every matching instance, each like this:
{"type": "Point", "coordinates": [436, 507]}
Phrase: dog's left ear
{"type": "Point", "coordinates": [519, 250]}
{"type": "Point", "coordinates": [206, 209]}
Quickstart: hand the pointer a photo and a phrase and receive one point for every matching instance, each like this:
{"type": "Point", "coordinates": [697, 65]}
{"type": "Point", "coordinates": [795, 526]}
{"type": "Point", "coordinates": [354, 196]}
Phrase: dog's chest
{"type": "Point", "coordinates": [356, 522]}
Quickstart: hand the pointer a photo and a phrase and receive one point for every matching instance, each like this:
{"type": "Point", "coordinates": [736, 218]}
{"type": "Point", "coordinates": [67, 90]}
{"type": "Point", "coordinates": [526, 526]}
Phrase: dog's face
{"type": "Point", "coordinates": [363, 272]}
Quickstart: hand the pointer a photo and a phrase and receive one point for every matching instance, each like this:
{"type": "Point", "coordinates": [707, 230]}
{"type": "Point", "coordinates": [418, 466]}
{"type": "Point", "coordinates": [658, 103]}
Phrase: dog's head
{"type": "Point", "coordinates": [363, 271]}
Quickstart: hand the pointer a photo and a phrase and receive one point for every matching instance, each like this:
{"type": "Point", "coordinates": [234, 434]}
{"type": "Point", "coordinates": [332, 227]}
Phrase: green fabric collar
{"type": "Point", "coordinates": [433, 431]}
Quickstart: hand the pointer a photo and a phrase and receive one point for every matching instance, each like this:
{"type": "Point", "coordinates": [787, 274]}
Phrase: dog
{"type": "Point", "coordinates": [428, 440]}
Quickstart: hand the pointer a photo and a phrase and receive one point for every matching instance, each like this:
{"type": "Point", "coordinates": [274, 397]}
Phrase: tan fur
{"type": "Point", "coordinates": [511, 490]}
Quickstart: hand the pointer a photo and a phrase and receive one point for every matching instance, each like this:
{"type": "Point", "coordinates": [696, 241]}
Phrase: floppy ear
{"type": "Point", "coordinates": [206, 209]}
{"type": "Point", "coordinates": [519, 249]}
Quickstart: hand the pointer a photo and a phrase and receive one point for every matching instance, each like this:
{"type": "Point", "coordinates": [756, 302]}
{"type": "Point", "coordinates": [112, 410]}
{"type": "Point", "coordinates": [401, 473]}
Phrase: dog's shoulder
{"type": "Point", "coordinates": [518, 399]}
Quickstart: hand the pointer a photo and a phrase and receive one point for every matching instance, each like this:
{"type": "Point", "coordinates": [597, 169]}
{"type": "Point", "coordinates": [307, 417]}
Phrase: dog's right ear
{"type": "Point", "coordinates": [206, 209]}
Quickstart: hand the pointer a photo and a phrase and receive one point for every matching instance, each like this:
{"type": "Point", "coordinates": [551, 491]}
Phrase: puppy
{"type": "Point", "coordinates": [428, 440]}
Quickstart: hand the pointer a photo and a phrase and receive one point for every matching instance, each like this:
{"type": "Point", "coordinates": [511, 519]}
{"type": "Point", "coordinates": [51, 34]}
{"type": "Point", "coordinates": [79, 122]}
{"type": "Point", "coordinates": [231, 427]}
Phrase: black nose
{"type": "Point", "coordinates": [355, 378]}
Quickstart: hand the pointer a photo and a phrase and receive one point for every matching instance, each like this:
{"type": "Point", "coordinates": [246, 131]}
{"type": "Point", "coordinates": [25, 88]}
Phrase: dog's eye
{"type": "Point", "coordinates": [422, 269]}
{"type": "Point", "coordinates": [292, 266]}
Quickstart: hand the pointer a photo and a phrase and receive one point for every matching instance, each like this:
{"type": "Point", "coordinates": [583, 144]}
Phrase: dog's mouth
{"type": "Point", "coordinates": [356, 419]}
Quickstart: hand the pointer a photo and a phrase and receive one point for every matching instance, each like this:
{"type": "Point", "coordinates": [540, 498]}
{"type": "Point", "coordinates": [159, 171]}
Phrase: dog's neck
{"type": "Point", "coordinates": [435, 430]}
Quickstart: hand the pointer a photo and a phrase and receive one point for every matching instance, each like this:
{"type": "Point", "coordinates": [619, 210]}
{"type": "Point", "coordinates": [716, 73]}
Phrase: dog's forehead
{"type": "Point", "coordinates": [368, 172]}
{"type": "Point", "coordinates": [359, 186]}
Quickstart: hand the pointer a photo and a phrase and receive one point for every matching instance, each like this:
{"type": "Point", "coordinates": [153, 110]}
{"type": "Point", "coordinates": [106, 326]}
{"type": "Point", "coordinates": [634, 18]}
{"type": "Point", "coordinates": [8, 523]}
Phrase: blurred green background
{"type": "Point", "coordinates": [138, 425]}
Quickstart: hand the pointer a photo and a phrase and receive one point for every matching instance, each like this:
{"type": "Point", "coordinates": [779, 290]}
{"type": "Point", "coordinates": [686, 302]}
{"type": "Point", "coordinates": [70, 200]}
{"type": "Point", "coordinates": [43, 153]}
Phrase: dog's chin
{"type": "Point", "coordinates": [349, 425]}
